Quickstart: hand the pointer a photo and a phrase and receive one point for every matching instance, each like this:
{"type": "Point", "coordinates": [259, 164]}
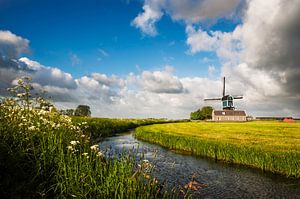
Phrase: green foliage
{"type": "Point", "coordinates": [68, 112]}
{"type": "Point", "coordinates": [83, 110]}
{"type": "Point", "coordinates": [270, 146]}
{"type": "Point", "coordinates": [203, 114]}
{"type": "Point", "coordinates": [43, 154]}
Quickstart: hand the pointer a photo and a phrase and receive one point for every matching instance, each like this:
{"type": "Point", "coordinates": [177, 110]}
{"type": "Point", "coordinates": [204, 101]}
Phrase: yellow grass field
{"type": "Point", "coordinates": [269, 145]}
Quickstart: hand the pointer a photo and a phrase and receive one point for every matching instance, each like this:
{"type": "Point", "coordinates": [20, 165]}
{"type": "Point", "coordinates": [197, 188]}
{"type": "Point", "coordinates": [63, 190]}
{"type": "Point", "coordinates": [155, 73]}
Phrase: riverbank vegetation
{"type": "Point", "coordinates": [98, 128]}
{"type": "Point", "coordinates": [270, 146]}
{"type": "Point", "coordinates": [43, 154]}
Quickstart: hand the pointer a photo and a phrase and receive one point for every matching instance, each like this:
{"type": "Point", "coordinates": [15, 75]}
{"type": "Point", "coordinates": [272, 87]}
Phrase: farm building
{"type": "Point", "coordinates": [228, 115]}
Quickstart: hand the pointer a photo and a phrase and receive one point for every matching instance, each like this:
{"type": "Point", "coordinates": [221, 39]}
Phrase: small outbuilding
{"type": "Point", "coordinates": [288, 119]}
{"type": "Point", "coordinates": [228, 115]}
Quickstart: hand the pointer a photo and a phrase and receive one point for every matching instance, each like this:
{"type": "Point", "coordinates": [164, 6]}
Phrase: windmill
{"type": "Point", "coordinates": [227, 100]}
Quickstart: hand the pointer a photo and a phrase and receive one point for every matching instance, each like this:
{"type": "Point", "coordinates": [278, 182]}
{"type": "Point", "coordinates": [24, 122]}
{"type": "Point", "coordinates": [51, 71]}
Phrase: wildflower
{"type": "Point", "coordinates": [32, 128]}
{"type": "Point", "coordinates": [21, 94]}
{"type": "Point", "coordinates": [99, 154]}
{"type": "Point", "coordinates": [85, 154]}
{"type": "Point", "coordinates": [74, 142]}
{"type": "Point", "coordinates": [95, 147]}
{"type": "Point", "coordinates": [69, 147]}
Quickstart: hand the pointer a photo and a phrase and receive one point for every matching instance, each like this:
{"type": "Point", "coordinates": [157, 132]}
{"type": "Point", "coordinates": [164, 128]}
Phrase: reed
{"type": "Point", "coordinates": [270, 146]}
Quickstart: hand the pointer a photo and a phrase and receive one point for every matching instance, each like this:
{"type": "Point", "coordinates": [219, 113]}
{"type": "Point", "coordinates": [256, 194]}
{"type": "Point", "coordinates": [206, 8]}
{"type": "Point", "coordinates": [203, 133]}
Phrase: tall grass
{"type": "Point", "coordinates": [99, 128]}
{"type": "Point", "coordinates": [45, 155]}
{"type": "Point", "coordinates": [270, 146]}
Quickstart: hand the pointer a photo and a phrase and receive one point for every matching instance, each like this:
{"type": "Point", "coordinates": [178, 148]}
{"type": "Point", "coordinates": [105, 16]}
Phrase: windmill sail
{"type": "Point", "coordinates": [237, 97]}
{"type": "Point", "coordinates": [223, 86]}
{"type": "Point", "coordinates": [208, 99]}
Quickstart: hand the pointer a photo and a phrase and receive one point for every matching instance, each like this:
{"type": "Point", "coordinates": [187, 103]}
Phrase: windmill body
{"type": "Point", "coordinates": [229, 113]}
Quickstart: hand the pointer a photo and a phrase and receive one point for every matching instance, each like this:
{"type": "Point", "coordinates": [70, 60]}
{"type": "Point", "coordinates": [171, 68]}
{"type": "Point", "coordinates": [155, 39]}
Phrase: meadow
{"type": "Point", "coordinates": [269, 145]}
{"type": "Point", "coordinates": [44, 154]}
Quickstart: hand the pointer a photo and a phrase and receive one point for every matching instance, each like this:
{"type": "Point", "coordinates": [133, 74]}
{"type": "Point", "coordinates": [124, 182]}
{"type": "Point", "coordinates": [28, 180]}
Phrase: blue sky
{"type": "Point", "coordinates": [154, 58]}
{"type": "Point", "coordinates": [59, 29]}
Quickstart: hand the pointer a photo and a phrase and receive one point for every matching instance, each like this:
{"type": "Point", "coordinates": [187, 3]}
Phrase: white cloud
{"type": "Point", "coordinates": [200, 40]}
{"type": "Point", "coordinates": [146, 20]}
{"type": "Point", "coordinates": [226, 45]}
{"type": "Point", "coordinates": [192, 11]}
{"type": "Point", "coordinates": [108, 81]}
{"type": "Point", "coordinates": [12, 45]}
{"type": "Point", "coordinates": [33, 65]}
{"type": "Point", "coordinates": [189, 11]}
{"type": "Point", "coordinates": [160, 81]}
{"type": "Point", "coordinates": [48, 75]}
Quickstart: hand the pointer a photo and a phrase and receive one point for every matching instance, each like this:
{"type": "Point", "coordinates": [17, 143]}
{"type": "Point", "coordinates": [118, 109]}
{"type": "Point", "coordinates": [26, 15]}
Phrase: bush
{"type": "Point", "coordinates": [203, 114]}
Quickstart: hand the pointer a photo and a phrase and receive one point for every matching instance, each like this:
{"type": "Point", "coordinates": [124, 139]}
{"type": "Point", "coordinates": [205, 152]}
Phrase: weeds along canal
{"type": "Point", "coordinates": [214, 179]}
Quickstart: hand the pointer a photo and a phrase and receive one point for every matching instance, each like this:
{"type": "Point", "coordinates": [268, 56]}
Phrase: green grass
{"type": "Point", "coordinates": [98, 128]}
{"type": "Point", "coordinates": [270, 146]}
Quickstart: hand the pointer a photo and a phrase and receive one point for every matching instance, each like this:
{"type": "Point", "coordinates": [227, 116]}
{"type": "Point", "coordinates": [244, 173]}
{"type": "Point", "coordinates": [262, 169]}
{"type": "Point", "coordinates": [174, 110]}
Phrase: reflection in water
{"type": "Point", "coordinates": [215, 180]}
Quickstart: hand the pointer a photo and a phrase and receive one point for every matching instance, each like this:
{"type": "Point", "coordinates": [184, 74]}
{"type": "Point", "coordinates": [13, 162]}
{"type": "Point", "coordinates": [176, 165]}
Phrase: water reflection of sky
{"type": "Point", "coordinates": [217, 179]}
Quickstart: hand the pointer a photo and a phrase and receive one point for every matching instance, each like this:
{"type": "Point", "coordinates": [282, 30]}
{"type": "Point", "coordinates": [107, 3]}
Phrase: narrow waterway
{"type": "Point", "coordinates": [217, 180]}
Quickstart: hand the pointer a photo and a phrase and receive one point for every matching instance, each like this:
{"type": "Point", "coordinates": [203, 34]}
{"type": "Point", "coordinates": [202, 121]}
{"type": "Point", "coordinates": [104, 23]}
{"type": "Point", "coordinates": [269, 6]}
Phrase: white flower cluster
{"type": "Point", "coordinates": [34, 115]}
{"type": "Point", "coordinates": [95, 148]}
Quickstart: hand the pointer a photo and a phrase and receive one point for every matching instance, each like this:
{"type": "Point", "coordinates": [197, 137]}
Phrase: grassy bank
{"type": "Point", "coordinates": [45, 155]}
{"type": "Point", "coordinates": [98, 128]}
{"type": "Point", "coordinates": [271, 146]}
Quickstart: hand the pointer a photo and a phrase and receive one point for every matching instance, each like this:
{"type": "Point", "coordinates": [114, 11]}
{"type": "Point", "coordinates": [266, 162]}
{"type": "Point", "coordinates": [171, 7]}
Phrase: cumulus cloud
{"type": "Point", "coordinates": [189, 11]}
{"type": "Point", "coordinates": [150, 15]}
{"type": "Point", "coordinates": [272, 40]}
{"type": "Point", "coordinates": [12, 45]}
{"type": "Point", "coordinates": [226, 45]}
{"type": "Point", "coordinates": [160, 81]}
{"type": "Point", "coordinates": [49, 75]}
{"type": "Point", "coordinates": [192, 11]}
{"type": "Point", "coordinates": [260, 55]}
{"type": "Point", "coordinates": [12, 67]}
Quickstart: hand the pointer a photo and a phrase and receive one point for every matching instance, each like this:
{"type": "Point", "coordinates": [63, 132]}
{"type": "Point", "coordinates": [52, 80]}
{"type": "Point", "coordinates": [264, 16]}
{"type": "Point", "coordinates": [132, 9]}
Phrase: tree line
{"type": "Point", "coordinates": [81, 110]}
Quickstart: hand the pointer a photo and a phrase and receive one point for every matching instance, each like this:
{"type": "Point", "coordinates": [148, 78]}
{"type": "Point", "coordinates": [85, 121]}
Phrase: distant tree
{"type": "Point", "coordinates": [196, 115]}
{"type": "Point", "coordinates": [83, 110]}
{"type": "Point", "coordinates": [207, 112]}
{"type": "Point", "coordinates": [202, 114]}
{"type": "Point", "coordinates": [68, 112]}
